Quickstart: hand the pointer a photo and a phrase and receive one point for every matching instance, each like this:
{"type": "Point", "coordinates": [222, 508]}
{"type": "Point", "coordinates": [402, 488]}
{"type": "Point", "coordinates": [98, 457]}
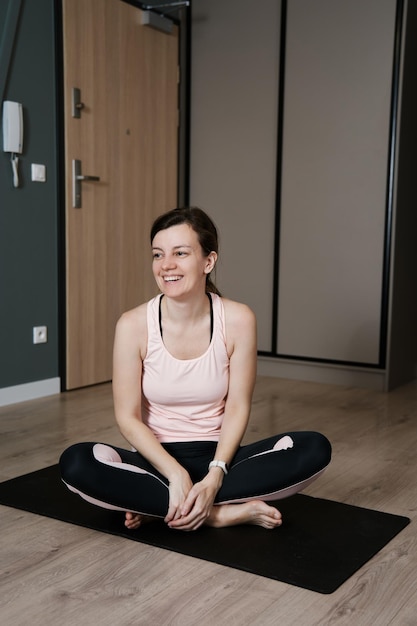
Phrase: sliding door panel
{"type": "Point", "coordinates": [234, 100]}
{"type": "Point", "coordinates": [337, 101]}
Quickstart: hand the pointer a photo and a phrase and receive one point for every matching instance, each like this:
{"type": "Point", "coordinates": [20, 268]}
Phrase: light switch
{"type": "Point", "coordinates": [38, 173]}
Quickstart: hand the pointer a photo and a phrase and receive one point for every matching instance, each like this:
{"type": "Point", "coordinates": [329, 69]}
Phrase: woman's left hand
{"type": "Point", "coordinates": [198, 504]}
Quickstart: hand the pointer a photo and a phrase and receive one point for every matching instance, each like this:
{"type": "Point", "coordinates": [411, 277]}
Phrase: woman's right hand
{"type": "Point", "coordinates": [179, 488]}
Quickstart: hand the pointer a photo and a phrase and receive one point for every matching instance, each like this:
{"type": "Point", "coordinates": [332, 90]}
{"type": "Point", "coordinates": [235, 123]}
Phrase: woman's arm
{"type": "Point", "coordinates": [242, 349]}
{"type": "Point", "coordinates": [128, 354]}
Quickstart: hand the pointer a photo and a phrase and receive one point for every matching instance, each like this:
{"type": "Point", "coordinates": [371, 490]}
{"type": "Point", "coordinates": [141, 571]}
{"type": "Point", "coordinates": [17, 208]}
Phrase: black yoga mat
{"type": "Point", "coordinates": [320, 544]}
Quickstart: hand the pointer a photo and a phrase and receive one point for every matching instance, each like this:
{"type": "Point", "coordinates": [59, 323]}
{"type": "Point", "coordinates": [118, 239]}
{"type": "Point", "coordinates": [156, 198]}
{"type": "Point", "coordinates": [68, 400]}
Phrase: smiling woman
{"type": "Point", "coordinates": [178, 259]}
{"type": "Point", "coordinates": [184, 370]}
{"type": "Point", "coordinates": [202, 231]}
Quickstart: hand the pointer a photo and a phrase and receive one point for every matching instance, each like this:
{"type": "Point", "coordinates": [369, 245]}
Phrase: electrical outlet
{"type": "Point", "coordinates": [40, 334]}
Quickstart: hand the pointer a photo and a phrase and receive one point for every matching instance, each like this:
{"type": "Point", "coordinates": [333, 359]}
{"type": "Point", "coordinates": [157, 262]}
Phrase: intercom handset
{"type": "Point", "coordinates": [12, 127]}
{"type": "Point", "coordinates": [13, 134]}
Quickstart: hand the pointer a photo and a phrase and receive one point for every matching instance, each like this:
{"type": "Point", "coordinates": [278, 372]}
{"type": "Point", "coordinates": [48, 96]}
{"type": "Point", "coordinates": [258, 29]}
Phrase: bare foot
{"type": "Point", "coordinates": [255, 512]}
{"type": "Point", "coordinates": [135, 520]}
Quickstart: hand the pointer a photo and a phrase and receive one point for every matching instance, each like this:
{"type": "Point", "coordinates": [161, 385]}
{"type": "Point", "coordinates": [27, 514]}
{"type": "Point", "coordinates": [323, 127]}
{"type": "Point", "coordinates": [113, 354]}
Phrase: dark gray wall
{"type": "Point", "coordinates": [402, 346]}
{"type": "Point", "coordinates": [29, 214]}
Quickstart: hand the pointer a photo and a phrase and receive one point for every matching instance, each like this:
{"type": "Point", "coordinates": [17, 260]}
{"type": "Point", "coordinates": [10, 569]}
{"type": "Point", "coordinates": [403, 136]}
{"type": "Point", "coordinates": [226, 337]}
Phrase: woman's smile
{"type": "Point", "coordinates": [171, 279]}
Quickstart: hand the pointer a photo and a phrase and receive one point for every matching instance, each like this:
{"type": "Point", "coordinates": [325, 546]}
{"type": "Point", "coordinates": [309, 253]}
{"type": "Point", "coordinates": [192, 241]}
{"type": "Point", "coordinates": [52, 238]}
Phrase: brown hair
{"type": "Point", "coordinates": [200, 223]}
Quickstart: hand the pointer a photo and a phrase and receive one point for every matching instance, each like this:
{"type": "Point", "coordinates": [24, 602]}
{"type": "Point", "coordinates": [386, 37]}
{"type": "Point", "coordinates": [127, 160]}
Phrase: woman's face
{"type": "Point", "coordinates": [179, 265]}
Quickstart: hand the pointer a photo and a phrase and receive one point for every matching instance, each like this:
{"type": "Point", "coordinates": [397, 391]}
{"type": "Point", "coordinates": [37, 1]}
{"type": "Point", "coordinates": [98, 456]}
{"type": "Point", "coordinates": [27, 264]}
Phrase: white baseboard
{"type": "Point", "coordinates": [30, 391]}
{"type": "Point", "coordinates": [322, 373]}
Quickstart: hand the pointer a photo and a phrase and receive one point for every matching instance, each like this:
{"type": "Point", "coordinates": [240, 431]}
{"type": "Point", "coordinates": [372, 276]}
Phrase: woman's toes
{"type": "Point", "coordinates": [265, 515]}
{"type": "Point", "coordinates": [132, 520]}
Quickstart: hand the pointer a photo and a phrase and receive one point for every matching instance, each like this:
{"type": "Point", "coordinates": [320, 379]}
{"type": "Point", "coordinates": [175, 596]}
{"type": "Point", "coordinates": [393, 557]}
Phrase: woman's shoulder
{"type": "Point", "coordinates": [134, 317]}
{"type": "Point", "coordinates": [238, 315]}
{"type": "Point", "coordinates": [240, 325]}
{"type": "Point", "coordinates": [238, 309]}
{"type": "Point", "coordinates": [132, 329]}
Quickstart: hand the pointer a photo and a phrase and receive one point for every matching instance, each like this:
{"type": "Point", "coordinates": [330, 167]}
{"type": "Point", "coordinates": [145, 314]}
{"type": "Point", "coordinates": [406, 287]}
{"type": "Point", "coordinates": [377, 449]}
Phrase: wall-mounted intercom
{"type": "Point", "coordinates": [12, 127]}
{"type": "Point", "coordinates": [13, 134]}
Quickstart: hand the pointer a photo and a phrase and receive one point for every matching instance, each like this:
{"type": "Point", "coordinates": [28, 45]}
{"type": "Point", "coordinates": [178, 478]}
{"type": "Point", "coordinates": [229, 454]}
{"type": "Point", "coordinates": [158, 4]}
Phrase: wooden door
{"type": "Point", "coordinates": [127, 136]}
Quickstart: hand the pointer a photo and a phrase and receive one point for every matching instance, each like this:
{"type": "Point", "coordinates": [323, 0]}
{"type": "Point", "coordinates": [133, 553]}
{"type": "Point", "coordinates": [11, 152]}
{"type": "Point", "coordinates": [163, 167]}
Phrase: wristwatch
{"type": "Point", "coordinates": [220, 464]}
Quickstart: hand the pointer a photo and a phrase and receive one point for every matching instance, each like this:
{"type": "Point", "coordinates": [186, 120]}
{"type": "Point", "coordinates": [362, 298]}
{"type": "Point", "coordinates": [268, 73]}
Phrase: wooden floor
{"type": "Point", "coordinates": [56, 573]}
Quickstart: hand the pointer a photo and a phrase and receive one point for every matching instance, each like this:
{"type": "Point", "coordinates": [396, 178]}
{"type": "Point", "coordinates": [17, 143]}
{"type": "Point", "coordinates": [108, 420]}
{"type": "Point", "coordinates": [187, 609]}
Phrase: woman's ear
{"type": "Point", "coordinates": [211, 260]}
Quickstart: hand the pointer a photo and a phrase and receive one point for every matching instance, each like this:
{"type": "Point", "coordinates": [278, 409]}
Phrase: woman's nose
{"type": "Point", "coordinates": [168, 262]}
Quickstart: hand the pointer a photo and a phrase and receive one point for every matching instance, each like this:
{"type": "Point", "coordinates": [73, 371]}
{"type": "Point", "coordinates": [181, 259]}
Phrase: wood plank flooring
{"type": "Point", "coordinates": [55, 573]}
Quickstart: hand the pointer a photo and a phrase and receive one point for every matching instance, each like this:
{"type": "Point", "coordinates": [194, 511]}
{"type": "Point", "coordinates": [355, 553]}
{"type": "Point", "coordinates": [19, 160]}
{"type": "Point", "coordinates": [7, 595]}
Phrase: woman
{"type": "Point", "coordinates": [183, 376]}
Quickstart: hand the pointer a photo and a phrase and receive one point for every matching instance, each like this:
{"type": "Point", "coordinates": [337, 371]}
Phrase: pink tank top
{"type": "Point", "coordinates": [183, 400]}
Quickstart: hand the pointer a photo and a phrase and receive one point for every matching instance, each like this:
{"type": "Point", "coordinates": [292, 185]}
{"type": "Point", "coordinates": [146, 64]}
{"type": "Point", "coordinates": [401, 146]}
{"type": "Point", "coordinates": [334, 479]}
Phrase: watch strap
{"type": "Point", "coordinates": [221, 464]}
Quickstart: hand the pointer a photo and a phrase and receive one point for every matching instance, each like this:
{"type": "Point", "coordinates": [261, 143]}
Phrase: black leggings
{"type": "Point", "coordinates": [270, 469]}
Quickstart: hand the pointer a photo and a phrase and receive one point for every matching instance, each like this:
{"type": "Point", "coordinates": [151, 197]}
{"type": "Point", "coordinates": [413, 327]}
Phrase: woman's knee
{"type": "Point", "coordinates": [320, 449]}
{"type": "Point", "coordinates": [106, 454]}
{"type": "Point", "coordinates": [324, 446]}
{"type": "Point", "coordinates": [75, 461]}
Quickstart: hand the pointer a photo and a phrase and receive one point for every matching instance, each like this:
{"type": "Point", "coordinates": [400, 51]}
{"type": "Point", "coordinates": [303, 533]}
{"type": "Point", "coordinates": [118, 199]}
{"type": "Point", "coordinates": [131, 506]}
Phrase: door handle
{"type": "Point", "coordinates": [82, 177]}
{"type": "Point", "coordinates": [77, 179]}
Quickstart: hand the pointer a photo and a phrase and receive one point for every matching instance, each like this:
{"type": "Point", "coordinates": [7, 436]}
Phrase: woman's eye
{"type": "Point", "coordinates": [156, 256]}
{"type": "Point", "coordinates": [181, 253]}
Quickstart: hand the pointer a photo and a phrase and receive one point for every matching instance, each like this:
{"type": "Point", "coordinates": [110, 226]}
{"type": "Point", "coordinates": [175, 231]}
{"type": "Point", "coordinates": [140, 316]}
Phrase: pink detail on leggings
{"type": "Point", "coordinates": [109, 456]}
{"type": "Point", "coordinates": [103, 505]}
{"type": "Point", "coordinates": [278, 495]}
{"type": "Point", "coordinates": [282, 444]}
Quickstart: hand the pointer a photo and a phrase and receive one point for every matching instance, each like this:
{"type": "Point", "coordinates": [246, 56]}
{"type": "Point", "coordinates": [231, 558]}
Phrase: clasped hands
{"type": "Point", "coordinates": [190, 505]}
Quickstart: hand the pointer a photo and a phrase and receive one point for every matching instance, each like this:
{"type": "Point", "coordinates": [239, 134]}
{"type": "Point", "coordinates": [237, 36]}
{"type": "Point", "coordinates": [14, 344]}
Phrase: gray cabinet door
{"type": "Point", "coordinates": [338, 77]}
{"type": "Point", "coordinates": [234, 101]}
